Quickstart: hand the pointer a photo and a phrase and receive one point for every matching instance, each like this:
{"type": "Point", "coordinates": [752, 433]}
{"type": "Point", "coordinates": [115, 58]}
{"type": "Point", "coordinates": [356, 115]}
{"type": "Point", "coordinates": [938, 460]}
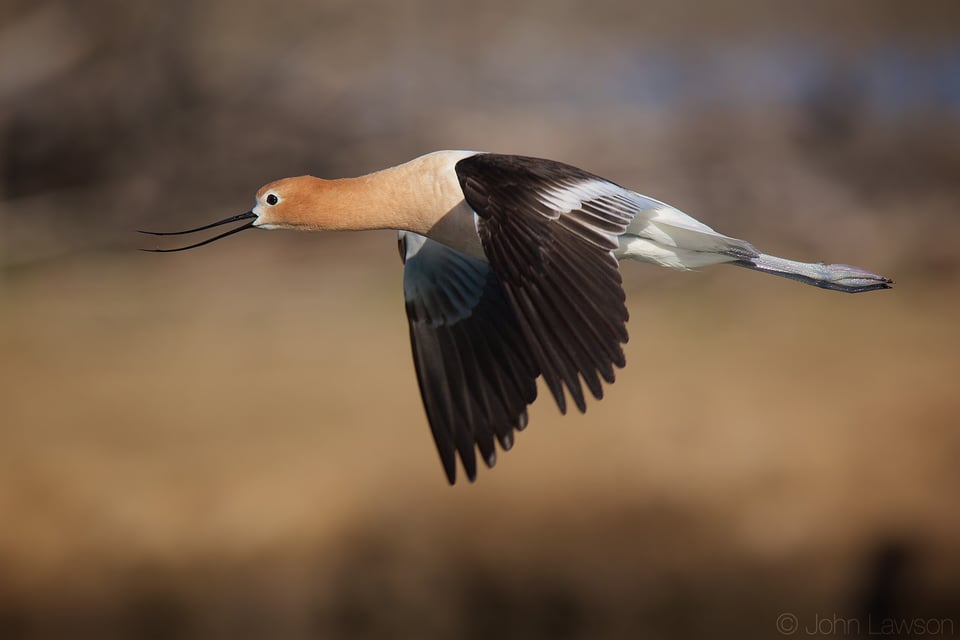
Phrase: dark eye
{"type": "Point", "coordinates": [272, 199]}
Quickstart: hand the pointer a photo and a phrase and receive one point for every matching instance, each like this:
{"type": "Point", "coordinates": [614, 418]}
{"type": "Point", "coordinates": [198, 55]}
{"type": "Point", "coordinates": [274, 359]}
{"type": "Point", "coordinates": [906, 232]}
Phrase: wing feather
{"type": "Point", "coordinates": [474, 367]}
{"type": "Point", "coordinates": [549, 231]}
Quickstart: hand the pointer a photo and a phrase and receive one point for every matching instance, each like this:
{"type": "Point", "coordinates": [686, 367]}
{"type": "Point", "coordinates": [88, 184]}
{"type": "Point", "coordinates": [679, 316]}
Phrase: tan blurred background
{"type": "Point", "coordinates": [228, 443]}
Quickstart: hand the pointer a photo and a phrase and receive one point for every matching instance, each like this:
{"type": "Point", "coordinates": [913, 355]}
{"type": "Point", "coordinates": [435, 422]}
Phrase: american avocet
{"type": "Point", "coordinates": [510, 273]}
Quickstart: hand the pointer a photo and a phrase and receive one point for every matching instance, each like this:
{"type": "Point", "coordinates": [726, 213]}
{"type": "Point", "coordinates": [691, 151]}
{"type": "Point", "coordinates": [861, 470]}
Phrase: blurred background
{"type": "Point", "coordinates": [229, 442]}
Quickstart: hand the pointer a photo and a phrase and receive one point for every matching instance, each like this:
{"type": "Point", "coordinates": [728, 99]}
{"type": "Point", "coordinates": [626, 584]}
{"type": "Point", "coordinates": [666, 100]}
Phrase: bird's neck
{"type": "Point", "coordinates": [414, 196]}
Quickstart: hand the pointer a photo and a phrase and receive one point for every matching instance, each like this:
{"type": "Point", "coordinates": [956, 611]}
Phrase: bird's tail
{"type": "Point", "coordinates": [666, 236]}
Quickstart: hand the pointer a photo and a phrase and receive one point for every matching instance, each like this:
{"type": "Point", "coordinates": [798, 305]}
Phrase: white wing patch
{"type": "Point", "coordinates": [563, 198]}
{"type": "Point", "coordinates": [596, 210]}
{"type": "Point", "coordinates": [656, 232]}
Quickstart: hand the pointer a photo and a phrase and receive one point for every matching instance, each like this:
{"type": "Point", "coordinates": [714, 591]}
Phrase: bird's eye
{"type": "Point", "coordinates": [272, 199]}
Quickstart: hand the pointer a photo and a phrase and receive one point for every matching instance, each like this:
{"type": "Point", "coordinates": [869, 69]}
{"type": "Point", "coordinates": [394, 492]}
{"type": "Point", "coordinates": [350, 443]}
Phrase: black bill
{"type": "Point", "coordinates": [249, 215]}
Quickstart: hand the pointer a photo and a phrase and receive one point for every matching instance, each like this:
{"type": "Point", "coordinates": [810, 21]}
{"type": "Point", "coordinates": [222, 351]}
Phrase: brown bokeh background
{"type": "Point", "coordinates": [229, 443]}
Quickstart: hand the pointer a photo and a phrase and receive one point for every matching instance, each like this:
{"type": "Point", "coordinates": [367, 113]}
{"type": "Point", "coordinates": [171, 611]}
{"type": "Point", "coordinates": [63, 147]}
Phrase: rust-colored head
{"type": "Point", "coordinates": [282, 204]}
{"type": "Point", "coordinates": [290, 203]}
{"type": "Point", "coordinates": [306, 203]}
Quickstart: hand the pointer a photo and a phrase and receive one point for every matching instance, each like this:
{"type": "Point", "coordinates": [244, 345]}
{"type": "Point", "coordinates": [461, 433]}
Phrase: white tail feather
{"type": "Point", "coordinates": [667, 236]}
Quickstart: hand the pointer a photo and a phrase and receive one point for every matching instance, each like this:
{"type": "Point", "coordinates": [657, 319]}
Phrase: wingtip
{"type": "Point", "coordinates": [578, 398]}
{"type": "Point", "coordinates": [559, 397]}
{"type": "Point", "coordinates": [449, 468]}
{"type": "Point", "coordinates": [522, 421]}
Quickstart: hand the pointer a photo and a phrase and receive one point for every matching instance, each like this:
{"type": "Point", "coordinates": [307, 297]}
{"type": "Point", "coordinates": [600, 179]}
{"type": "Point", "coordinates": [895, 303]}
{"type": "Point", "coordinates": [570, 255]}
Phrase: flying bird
{"type": "Point", "coordinates": [511, 273]}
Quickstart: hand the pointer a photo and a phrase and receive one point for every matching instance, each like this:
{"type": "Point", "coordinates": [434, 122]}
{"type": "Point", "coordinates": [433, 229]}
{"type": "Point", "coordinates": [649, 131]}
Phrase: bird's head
{"type": "Point", "coordinates": [288, 203]}
{"type": "Point", "coordinates": [283, 204]}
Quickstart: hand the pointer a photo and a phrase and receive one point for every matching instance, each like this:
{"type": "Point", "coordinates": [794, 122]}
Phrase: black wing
{"type": "Point", "coordinates": [549, 231]}
{"type": "Point", "coordinates": [474, 366]}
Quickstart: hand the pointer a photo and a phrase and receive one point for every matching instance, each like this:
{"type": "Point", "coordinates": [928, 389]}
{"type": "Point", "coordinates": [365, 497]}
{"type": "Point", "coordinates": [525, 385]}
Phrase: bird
{"type": "Point", "coordinates": [511, 274]}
